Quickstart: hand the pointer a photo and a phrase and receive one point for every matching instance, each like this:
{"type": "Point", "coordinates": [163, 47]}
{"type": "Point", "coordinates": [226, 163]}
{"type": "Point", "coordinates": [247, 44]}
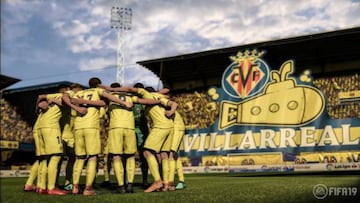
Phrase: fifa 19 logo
{"type": "Point", "coordinates": [261, 97]}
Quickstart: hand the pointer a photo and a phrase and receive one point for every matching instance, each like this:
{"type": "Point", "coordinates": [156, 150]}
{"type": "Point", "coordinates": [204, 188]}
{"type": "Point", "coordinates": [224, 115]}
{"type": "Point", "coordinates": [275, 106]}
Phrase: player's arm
{"type": "Point", "coordinates": [51, 98]}
{"type": "Point", "coordinates": [55, 101]}
{"type": "Point", "coordinates": [43, 105]}
{"type": "Point", "coordinates": [173, 106]}
{"type": "Point", "coordinates": [164, 92]}
{"type": "Point", "coordinates": [148, 101]}
{"type": "Point", "coordinates": [78, 101]}
{"type": "Point", "coordinates": [118, 89]}
{"type": "Point", "coordinates": [117, 100]}
{"type": "Point", "coordinates": [40, 98]}
{"type": "Point", "coordinates": [66, 99]}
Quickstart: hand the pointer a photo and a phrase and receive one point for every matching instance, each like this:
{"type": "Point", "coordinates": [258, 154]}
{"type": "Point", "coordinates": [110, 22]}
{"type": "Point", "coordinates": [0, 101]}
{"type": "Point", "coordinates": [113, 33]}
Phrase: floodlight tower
{"type": "Point", "coordinates": [121, 22]}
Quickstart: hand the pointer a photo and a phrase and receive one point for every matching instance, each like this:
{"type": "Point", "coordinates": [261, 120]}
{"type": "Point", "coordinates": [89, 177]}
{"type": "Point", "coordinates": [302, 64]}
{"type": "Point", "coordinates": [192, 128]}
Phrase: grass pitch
{"type": "Point", "coordinates": [244, 187]}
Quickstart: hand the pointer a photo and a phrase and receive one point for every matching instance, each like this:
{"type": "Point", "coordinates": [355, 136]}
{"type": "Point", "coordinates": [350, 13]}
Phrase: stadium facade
{"type": "Point", "coordinates": [287, 101]}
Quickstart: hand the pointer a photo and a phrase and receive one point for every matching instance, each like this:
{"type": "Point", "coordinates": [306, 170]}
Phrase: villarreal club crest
{"type": "Point", "coordinates": [259, 96]}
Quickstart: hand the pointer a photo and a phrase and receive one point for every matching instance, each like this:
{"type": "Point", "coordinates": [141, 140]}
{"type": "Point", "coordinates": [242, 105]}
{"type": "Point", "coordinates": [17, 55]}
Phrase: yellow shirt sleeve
{"type": "Point", "coordinates": [164, 101]}
{"type": "Point", "coordinates": [56, 96]}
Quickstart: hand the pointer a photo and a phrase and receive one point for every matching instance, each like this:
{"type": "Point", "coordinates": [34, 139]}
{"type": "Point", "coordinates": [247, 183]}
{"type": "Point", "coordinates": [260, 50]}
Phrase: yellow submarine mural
{"type": "Point", "coordinates": [261, 110]}
{"type": "Point", "coordinates": [283, 103]}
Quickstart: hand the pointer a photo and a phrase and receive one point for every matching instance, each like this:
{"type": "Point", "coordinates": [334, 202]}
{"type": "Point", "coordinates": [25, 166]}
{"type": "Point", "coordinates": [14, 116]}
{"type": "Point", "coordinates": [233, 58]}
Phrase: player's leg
{"type": "Point", "coordinates": [143, 163]}
{"type": "Point", "coordinates": [93, 149]}
{"type": "Point", "coordinates": [107, 165]}
{"type": "Point", "coordinates": [91, 170]}
{"type": "Point", "coordinates": [153, 145]}
{"type": "Point", "coordinates": [165, 163]}
{"type": "Point", "coordinates": [119, 173]}
{"type": "Point", "coordinates": [41, 177]}
{"type": "Point", "coordinates": [130, 172]}
{"type": "Point", "coordinates": [179, 168]}
{"type": "Point", "coordinates": [144, 168]}
{"type": "Point", "coordinates": [62, 157]}
{"type": "Point", "coordinates": [158, 158]}
{"type": "Point", "coordinates": [129, 144]}
{"type": "Point", "coordinates": [106, 168]}
{"type": "Point", "coordinates": [29, 185]}
{"type": "Point", "coordinates": [123, 158]}
{"type": "Point", "coordinates": [178, 135]}
{"type": "Point", "coordinates": [70, 153]}
{"type": "Point", "coordinates": [154, 170]}
{"type": "Point", "coordinates": [115, 140]}
{"type": "Point", "coordinates": [42, 171]}
{"type": "Point", "coordinates": [68, 143]}
{"type": "Point", "coordinates": [172, 168]}
{"type": "Point", "coordinates": [52, 175]}
{"type": "Point", "coordinates": [80, 157]}
{"type": "Point", "coordinates": [54, 150]}
{"type": "Point", "coordinates": [165, 169]}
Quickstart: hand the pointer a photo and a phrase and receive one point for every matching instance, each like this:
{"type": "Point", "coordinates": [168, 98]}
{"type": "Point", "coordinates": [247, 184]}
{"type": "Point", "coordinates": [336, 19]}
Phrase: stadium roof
{"type": "Point", "coordinates": [6, 81]}
{"type": "Point", "coordinates": [24, 98]}
{"type": "Point", "coordinates": [52, 86]}
{"type": "Point", "coordinates": [322, 53]}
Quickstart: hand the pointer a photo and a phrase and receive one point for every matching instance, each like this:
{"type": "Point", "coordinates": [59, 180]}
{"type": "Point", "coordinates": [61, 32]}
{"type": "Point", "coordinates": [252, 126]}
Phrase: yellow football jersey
{"type": "Point", "coordinates": [92, 118]}
{"type": "Point", "coordinates": [50, 118]}
{"type": "Point", "coordinates": [120, 116]}
{"type": "Point", "coordinates": [157, 112]}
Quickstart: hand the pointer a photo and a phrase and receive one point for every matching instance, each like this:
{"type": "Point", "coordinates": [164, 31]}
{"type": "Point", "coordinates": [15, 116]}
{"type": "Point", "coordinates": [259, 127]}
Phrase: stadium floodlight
{"type": "Point", "coordinates": [121, 21]}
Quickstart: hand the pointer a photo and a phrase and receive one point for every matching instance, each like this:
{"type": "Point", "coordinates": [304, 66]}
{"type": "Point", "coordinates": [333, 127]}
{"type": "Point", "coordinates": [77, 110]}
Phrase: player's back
{"type": "Point", "coordinates": [157, 114]}
{"type": "Point", "coordinates": [92, 118]}
{"type": "Point", "coordinates": [121, 116]}
{"type": "Point", "coordinates": [50, 118]}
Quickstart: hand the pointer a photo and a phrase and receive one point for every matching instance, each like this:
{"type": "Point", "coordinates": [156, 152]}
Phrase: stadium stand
{"type": "Point", "coordinates": [197, 110]}
{"type": "Point", "coordinates": [13, 127]}
{"type": "Point", "coordinates": [331, 56]}
{"type": "Point", "coordinates": [332, 86]}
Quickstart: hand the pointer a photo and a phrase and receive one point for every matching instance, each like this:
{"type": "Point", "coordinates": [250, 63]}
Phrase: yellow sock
{"type": "Point", "coordinates": [171, 170]}
{"type": "Point", "coordinates": [78, 166]}
{"type": "Point", "coordinates": [106, 169]}
{"type": "Point", "coordinates": [153, 167]}
{"type": "Point", "coordinates": [119, 171]}
{"type": "Point", "coordinates": [165, 170]}
{"type": "Point", "coordinates": [130, 169]}
{"type": "Point", "coordinates": [91, 171]}
{"type": "Point", "coordinates": [42, 174]}
{"type": "Point", "coordinates": [179, 169]}
{"type": "Point", "coordinates": [33, 173]}
{"type": "Point", "coordinates": [52, 171]}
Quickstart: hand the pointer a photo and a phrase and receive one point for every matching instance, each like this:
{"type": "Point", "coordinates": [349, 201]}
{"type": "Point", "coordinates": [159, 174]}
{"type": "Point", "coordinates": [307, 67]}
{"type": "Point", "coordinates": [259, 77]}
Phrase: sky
{"type": "Point", "coordinates": [45, 41]}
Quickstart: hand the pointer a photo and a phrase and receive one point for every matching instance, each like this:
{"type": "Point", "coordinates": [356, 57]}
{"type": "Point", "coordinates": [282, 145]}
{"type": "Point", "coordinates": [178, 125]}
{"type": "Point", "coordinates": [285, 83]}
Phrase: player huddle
{"type": "Point", "coordinates": [69, 123]}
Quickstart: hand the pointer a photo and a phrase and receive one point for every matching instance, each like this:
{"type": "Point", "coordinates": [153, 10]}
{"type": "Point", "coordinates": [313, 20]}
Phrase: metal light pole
{"type": "Point", "coordinates": [121, 22]}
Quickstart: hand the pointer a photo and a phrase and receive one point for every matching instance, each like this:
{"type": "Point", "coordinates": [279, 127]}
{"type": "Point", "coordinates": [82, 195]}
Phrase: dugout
{"type": "Point", "coordinates": [326, 54]}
